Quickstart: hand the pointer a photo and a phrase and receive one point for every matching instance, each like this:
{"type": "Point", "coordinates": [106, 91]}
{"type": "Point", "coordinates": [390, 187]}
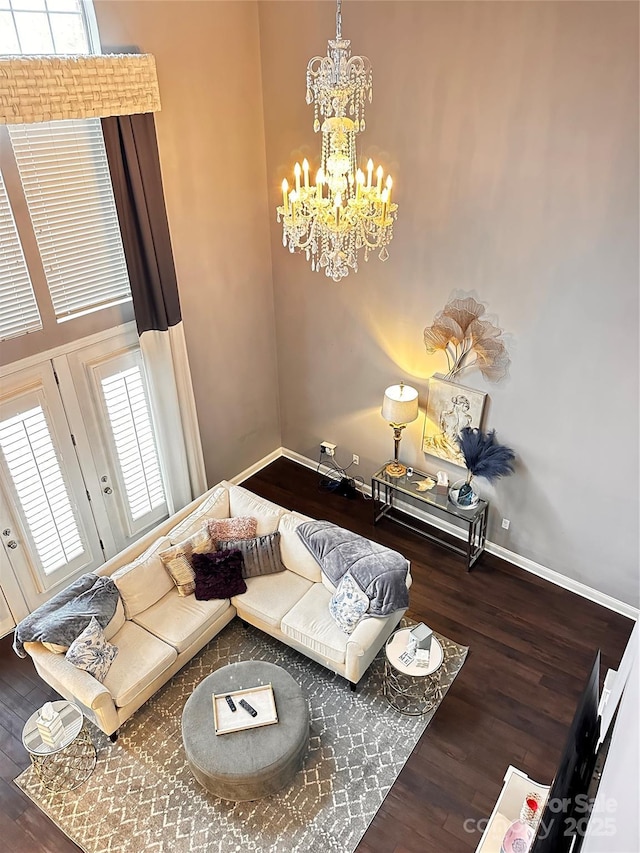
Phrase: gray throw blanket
{"type": "Point", "coordinates": [380, 572]}
{"type": "Point", "coordinates": [65, 616]}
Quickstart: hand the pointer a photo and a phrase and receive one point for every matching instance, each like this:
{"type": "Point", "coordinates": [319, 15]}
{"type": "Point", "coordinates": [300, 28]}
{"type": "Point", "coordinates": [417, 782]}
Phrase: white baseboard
{"type": "Point", "coordinates": [503, 553]}
{"type": "Point", "coordinates": [298, 457]}
{"type": "Point", "coordinates": [257, 466]}
{"type": "Point", "coordinates": [562, 580]}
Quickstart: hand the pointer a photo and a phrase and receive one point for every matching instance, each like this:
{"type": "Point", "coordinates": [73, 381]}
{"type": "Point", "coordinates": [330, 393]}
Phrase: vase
{"type": "Point", "coordinates": [519, 837]}
{"type": "Point", "coordinates": [462, 494]}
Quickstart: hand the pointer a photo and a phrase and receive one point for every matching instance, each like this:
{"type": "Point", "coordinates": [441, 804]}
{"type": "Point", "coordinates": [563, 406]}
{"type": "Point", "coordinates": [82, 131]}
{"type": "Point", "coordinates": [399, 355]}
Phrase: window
{"type": "Point", "coordinates": [43, 26]}
{"type": "Point", "coordinates": [65, 176]}
{"type": "Point", "coordinates": [134, 439]}
{"type": "Point", "coordinates": [19, 313]}
{"type": "Point", "coordinates": [35, 470]}
{"type": "Point", "coordinates": [59, 170]}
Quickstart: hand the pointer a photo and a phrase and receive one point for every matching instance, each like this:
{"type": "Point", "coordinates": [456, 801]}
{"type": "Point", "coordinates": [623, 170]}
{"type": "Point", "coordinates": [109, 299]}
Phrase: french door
{"type": "Point", "coordinates": [49, 528]}
{"type": "Point", "coordinates": [80, 473]}
{"type": "Point", "coordinates": [116, 422]}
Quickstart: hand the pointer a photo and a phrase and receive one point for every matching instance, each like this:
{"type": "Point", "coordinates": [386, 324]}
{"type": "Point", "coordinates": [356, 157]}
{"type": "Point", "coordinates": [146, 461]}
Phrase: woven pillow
{"type": "Point", "coordinates": [92, 652]}
{"type": "Point", "coordinates": [218, 575]}
{"type": "Point", "coordinates": [241, 527]}
{"type": "Point", "coordinates": [178, 560]}
{"type": "Point", "coordinates": [348, 604]}
{"type": "Point", "coordinates": [261, 555]}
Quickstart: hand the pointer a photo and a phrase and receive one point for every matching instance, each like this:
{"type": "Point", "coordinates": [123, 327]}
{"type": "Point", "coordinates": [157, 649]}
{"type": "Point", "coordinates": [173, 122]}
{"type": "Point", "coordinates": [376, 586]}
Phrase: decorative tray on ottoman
{"type": "Point", "coordinates": [260, 698]}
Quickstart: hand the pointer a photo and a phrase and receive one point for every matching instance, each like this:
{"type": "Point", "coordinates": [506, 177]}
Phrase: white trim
{"type": "Point", "coordinates": [299, 458]}
{"type": "Point", "coordinates": [521, 562]}
{"type": "Point", "coordinates": [565, 582]}
{"type": "Point", "coordinates": [257, 466]}
{"type": "Point", "coordinates": [63, 349]}
{"type": "Point", "coordinates": [90, 20]}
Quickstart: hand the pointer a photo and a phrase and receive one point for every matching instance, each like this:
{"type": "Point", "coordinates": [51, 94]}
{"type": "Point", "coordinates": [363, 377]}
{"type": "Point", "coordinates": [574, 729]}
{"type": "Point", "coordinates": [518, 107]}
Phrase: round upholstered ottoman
{"type": "Point", "coordinates": [253, 763]}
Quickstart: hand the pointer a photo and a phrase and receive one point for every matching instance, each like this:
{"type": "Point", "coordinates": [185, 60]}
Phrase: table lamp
{"type": "Point", "coordinates": [399, 408]}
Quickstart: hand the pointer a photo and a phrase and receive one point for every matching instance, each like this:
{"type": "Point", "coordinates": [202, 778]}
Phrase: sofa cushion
{"type": "Point", "coordinates": [309, 623]}
{"type": "Point", "coordinates": [180, 620]}
{"type": "Point", "coordinates": [244, 502]}
{"type": "Point", "coordinates": [215, 506]}
{"type": "Point", "coordinates": [269, 597]}
{"type": "Point", "coordinates": [144, 581]}
{"type": "Point", "coordinates": [218, 575]}
{"type": "Point", "coordinates": [92, 652]}
{"type": "Point", "coordinates": [141, 659]}
{"type": "Point", "coordinates": [260, 555]}
{"type": "Point", "coordinates": [177, 559]}
{"type": "Point", "coordinates": [117, 621]}
{"type": "Point", "coordinates": [295, 554]}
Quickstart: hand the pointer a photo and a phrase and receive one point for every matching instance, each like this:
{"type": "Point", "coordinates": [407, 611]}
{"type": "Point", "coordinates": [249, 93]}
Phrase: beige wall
{"type": "Point", "coordinates": [211, 143]}
{"type": "Point", "coordinates": [512, 132]}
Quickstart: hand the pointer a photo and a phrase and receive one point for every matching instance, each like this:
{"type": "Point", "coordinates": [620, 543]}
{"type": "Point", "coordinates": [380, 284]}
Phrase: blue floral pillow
{"type": "Point", "coordinates": [92, 652]}
{"type": "Point", "coordinates": [348, 604]}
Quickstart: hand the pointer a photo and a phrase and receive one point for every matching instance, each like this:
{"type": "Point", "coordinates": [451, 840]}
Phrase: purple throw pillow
{"type": "Point", "coordinates": [218, 575]}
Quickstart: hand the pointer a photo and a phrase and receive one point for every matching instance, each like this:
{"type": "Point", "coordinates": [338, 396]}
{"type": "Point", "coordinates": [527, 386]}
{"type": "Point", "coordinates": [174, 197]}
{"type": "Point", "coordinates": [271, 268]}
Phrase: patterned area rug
{"type": "Point", "coordinates": [142, 795]}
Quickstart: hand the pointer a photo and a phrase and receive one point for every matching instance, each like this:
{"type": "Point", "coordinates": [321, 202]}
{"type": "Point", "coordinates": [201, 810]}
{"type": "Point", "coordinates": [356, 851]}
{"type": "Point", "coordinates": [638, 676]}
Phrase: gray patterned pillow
{"type": "Point", "coordinates": [261, 555]}
{"type": "Point", "coordinates": [92, 652]}
{"type": "Point", "coordinates": [348, 604]}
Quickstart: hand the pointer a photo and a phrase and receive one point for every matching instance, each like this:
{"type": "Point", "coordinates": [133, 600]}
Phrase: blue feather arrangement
{"type": "Point", "coordinates": [483, 456]}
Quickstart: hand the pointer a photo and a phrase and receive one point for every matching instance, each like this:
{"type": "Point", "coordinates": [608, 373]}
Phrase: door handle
{"type": "Point", "coordinates": [107, 490]}
{"type": "Point", "coordinates": [12, 544]}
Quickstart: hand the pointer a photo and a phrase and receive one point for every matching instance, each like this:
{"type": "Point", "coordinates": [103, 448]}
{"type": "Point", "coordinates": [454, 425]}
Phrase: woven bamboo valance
{"type": "Point", "coordinates": [50, 88]}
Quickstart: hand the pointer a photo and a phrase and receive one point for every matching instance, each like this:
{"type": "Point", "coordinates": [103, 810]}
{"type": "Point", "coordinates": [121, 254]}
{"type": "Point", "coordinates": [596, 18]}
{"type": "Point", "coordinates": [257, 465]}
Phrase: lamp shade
{"type": "Point", "coordinates": [400, 404]}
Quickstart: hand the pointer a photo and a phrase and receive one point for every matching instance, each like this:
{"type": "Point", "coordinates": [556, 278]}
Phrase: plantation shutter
{"type": "Point", "coordinates": [35, 471]}
{"type": "Point", "coordinates": [65, 176]}
{"type": "Point", "coordinates": [18, 308]}
{"type": "Point", "coordinates": [133, 436]}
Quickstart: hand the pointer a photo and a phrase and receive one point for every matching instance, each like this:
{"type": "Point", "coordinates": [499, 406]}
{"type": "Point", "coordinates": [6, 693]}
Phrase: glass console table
{"type": "Point", "coordinates": [387, 491]}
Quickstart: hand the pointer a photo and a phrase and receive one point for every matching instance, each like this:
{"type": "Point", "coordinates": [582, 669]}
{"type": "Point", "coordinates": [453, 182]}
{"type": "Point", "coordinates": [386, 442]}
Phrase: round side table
{"type": "Point", "coordinates": [67, 764]}
{"type": "Point", "coordinates": [412, 690]}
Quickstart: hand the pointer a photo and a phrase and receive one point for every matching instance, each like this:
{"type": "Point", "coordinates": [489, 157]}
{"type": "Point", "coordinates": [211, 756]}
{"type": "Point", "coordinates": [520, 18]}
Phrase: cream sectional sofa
{"type": "Point", "coordinates": [157, 631]}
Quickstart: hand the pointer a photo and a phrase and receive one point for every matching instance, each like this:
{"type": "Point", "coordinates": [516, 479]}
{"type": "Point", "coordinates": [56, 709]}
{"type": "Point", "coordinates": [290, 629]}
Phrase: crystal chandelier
{"type": "Point", "coordinates": [345, 210]}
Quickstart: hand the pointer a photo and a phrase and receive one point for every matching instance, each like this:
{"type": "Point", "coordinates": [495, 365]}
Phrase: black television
{"type": "Point", "coordinates": [566, 813]}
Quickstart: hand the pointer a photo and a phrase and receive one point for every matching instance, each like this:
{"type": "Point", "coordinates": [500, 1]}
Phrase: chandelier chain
{"type": "Point", "coordinates": [339, 20]}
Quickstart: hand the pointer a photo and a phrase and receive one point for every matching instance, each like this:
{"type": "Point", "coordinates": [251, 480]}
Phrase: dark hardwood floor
{"type": "Point", "coordinates": [531, 646]}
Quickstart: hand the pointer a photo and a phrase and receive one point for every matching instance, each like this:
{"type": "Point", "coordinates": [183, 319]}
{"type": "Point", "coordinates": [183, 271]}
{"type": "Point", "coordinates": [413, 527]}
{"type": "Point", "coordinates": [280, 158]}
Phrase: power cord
{"type": "Point", "coordinates": [336, 479]}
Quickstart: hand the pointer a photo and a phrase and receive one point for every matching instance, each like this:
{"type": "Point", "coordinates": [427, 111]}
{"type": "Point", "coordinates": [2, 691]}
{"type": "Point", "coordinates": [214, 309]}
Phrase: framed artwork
{"type": "Point", "coordinates": [450, 407]}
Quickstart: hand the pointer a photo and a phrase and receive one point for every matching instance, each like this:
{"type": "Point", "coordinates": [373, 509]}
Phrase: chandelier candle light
{"type": "Point", "coordinates": [399, 408]}
{"type": "Point", "coordinates": [345, 210]}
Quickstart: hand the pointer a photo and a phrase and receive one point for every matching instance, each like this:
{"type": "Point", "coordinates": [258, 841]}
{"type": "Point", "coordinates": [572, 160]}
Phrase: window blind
{"type": "Point", "coordinates": [37, 477]}
{"type": "Point", "coordinates": [132, 429]}
{"type": "Point", "coordinates": [18, 308]}
{"type": "Point", "coordinates": [65, 175]}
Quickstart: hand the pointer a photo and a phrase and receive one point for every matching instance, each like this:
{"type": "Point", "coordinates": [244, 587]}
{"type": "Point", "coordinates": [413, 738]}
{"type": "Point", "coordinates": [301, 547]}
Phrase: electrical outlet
{"type": "Point", "coordinates": [328, 447]}
{"type": "Point", "coordinates": [506, 523]}
{"type": "Point", "coordinates": [356, 459]}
